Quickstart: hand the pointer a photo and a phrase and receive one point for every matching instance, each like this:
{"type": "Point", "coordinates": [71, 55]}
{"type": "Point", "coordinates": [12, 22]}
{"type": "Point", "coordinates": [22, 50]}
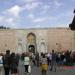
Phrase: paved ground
{"type": "Point", "coordinates": [37, 71]}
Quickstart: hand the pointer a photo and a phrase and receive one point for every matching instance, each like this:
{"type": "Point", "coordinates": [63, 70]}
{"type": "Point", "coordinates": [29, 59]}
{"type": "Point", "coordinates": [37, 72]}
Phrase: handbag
{"type": "Point", "coordinates": [29, 69]}
{"type": "Point", "coordinates": [44, 66]}
{"type": "Point", "coordinates": [1, 61]}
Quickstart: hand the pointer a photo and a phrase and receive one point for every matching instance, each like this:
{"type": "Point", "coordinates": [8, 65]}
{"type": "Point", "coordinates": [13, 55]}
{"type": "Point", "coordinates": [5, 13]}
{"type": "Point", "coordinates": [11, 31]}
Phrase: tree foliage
{"type": "Point", "coordinates": [3, 27]}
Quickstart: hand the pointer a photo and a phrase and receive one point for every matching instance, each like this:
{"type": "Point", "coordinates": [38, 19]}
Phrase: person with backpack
{"type": "Point", "coordinates": [1, 64]}
{"type": "Point", "coordinates": [6, 62]}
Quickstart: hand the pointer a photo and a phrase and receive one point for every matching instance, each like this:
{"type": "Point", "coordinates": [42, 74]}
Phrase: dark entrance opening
{"type": "Point", "coordinates": [31, 48]}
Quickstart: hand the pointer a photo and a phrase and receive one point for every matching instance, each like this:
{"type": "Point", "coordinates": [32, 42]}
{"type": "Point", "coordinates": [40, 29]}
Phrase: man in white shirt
{"type": "Point", "coordinates": [26, 62]}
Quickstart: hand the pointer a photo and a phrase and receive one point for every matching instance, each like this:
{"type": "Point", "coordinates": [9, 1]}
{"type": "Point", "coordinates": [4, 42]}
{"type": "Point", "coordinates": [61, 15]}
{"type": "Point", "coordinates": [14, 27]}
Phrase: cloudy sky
{"type": "Point", "coordinates": [36, 13]}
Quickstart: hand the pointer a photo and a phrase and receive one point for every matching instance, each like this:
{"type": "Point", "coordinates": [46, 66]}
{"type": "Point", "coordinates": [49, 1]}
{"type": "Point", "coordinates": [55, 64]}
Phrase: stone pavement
{"type": "Point", "coordinates": [37, 71]}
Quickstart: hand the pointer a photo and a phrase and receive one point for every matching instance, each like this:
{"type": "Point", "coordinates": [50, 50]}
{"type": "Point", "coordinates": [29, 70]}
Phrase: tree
{"type": "Point", "coordinates": [2, 27]}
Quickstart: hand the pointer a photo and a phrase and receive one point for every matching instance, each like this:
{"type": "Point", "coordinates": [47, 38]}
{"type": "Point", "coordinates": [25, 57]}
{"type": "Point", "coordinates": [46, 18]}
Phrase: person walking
{"type": "Point", "coordinates": [6, 62]}
{"type": "Point", "coordinates": [33, 59]}
{"type": "Point", "coordinates": [48, 60]}
{"type": "Point", "coordinates": [14, 64]}
{"type": "Point", "coordinates": [1, 64]}
{"type": "Point", "coordinates": [17, 60]}
{"type": "Point", "coordinates": [44, 65]}
{"type": "Point", "coordinates": [37, 59]}
{"type": "Point", "coordinates": [53, 61]}
{"type": "Point", "coordinates": [27, 63]}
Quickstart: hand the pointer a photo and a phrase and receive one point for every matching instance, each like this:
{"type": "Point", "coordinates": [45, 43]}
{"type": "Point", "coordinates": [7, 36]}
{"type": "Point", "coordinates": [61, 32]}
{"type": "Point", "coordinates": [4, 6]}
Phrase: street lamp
{"type": "Point", "coordinates": [72, 25]}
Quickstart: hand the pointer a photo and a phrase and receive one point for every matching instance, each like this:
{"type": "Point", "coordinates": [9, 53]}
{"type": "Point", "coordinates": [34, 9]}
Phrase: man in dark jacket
{"type": "Point", "coordinates": [6, 62]}
{"type": "Point", "coordinates": [37, 59]}
{"type": "Point", "coordinates": [53, 62]}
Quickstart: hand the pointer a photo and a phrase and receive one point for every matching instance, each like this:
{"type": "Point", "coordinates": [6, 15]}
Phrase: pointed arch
{"type": "Point", "coordinates": [31, 41]}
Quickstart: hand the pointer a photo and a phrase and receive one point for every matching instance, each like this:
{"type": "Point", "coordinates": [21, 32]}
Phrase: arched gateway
{"type": "Point", "coordinates": [31, 42]}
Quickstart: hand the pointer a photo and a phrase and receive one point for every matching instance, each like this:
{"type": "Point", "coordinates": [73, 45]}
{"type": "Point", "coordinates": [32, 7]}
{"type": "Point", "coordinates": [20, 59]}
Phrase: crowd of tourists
{"type": "Point", "coordinates": [9, 62]}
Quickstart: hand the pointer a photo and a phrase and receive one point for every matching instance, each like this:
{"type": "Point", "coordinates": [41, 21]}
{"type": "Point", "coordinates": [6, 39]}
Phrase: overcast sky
{"type": "Point", "coordinates": [36, 13]}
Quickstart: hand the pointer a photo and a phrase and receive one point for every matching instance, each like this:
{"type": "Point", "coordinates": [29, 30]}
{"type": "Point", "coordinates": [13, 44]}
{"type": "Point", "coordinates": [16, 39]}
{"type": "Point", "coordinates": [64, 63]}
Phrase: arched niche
{"type": "Point", "coordinates": [31, 42]}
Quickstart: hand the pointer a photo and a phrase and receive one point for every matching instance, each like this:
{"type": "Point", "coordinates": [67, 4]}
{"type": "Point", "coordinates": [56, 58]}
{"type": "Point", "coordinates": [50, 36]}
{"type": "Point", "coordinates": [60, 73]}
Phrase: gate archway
{"type": "Point", "coordinates": [31, 42]}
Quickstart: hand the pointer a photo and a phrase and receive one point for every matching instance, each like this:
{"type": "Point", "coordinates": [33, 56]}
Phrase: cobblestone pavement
{"type": "Point", "coordinates": [37, 71]}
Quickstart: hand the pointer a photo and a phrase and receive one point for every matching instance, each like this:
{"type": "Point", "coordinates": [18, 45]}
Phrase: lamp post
{"type": "Point", "coordinates": [72, 26]}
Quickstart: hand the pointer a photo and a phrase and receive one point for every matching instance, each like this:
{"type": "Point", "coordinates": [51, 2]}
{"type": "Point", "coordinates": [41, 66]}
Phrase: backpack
{"type": "Point", "coordinates": [13, 64]}
{"type": "Point", "coordinates": [26, 61]}
{"type": "Point", "coordinates": [6, 60]}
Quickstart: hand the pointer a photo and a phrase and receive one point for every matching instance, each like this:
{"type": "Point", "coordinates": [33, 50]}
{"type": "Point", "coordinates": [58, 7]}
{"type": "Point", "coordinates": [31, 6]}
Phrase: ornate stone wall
{"type": "Point", "coordinates": [46, 39]}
